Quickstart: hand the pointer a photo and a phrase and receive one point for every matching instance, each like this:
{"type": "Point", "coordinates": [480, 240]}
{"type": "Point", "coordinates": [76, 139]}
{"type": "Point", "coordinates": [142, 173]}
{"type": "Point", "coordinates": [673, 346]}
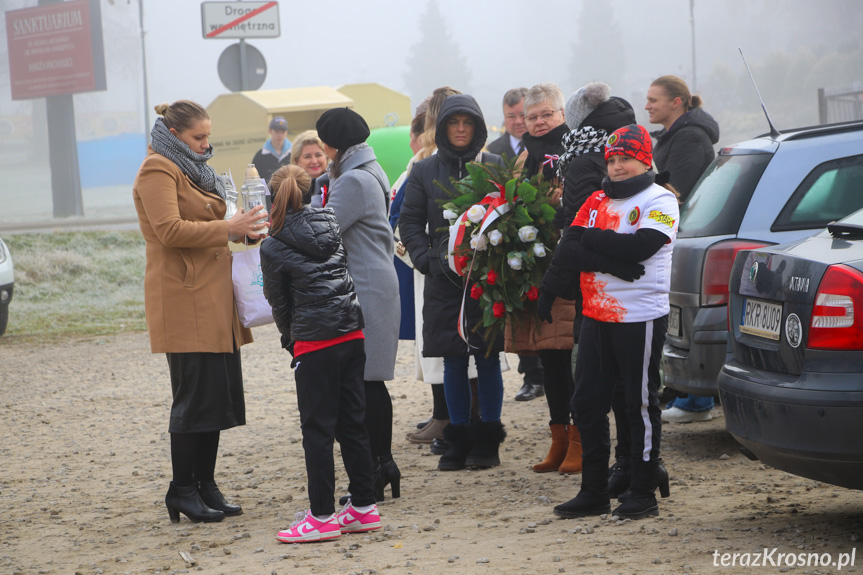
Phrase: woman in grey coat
{"type": "Point", "coordinates": [358, 193]}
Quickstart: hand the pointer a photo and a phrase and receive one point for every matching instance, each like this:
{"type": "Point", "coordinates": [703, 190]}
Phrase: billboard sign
{"type": "Point", "coordinates": [240, 19]}
{"type": "Point", "coordinates": [55, 49]}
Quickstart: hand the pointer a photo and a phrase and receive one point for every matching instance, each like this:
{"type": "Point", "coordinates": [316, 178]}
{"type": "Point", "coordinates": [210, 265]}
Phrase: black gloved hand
{"type": "Point", "coordinates": [543, 306]}
{"type": "Point", "coordinates": [559, 220]}
{"type": "Point", "coordinates": [626, 271]}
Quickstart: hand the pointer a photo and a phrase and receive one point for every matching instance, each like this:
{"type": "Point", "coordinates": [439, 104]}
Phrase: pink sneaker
{"type": "Point", "coordinates": [307, 529]}
{"type": "Point", "coordinates": [352, 521]}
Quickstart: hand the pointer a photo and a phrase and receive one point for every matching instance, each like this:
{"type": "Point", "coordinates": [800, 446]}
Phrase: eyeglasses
{"type": "Point", "coordinates": [545, 117]}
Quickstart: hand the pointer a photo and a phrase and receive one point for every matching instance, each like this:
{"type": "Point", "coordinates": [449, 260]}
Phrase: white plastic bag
{"type": "Point", "coordinates": [252, 306]}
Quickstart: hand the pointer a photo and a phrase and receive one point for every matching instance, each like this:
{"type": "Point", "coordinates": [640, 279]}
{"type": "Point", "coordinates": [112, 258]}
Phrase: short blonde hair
{"type": "Point", "coordinates": [307, 138]}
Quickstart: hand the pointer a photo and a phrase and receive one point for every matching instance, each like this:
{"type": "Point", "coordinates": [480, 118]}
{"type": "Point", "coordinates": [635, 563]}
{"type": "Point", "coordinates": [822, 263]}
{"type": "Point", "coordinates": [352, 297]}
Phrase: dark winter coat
{"type": "Point", "coordinates": [548, 144]}
{"type": "Point", "coordinates": [503, 147]}
{"type": "Point", "coordinates": [584, 173]}
{"type": "Point", "coordinates": [306, 279]}
{"type": "Point", "coordinates": [268, 163]}
{"type": "Point", "coordinates": [420, 222]}
{"type": "Point", "coordinates": [686, 149]}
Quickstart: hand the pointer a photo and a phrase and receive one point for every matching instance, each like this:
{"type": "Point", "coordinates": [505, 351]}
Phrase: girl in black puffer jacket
{"type": "Point", "coordinates": [307, 283]}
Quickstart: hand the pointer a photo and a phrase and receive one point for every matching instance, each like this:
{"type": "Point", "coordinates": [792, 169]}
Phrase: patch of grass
{"type": "Point", "coordinates": [76, 283]}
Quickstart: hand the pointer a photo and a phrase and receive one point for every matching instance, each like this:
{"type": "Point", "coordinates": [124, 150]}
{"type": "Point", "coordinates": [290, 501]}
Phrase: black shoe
{"type": "Point", "coordinates": [661, 482]}
{"type": "Point", "coordinates": [391, 475]}
{"type": "Point", "coordinates": [439, 446]}
{"type": "Point", "coordinates": [344, 499]}
{"type": "Point", "coordinates": [637, 507]}
{"type": "Point", "coordinates": [461, 441]}
{"type": "Point", "coordinates": [422, 424]}
{"type": "Point", "coordinates": [214, 499]}
{"type": "Point", "coordinates": [187, 501]}
{"type": "Point", "coordinates": [380, 481]}
{"type": "Point", "coordinates": [585, 504]}
{"type": "Point", "coordinates": [488, 436]}
{"type": "Point", "coordinates": [529, 391]}
{"type": "Point", "coordinates": [619, 476]}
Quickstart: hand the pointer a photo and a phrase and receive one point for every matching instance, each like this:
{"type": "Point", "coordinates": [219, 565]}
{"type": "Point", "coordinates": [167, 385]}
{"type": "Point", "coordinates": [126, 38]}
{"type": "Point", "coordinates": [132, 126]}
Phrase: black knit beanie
{"type": "Point", "coordinates": [341, 128]}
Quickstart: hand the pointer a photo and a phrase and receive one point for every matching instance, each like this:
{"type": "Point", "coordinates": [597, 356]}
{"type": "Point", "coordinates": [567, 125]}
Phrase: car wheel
{"type": "Point", "coordinates": [4, 317]}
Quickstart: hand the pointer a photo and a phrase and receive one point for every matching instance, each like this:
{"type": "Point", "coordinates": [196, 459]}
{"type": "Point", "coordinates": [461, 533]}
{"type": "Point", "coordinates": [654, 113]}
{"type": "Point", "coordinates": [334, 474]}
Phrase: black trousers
{"type": "Point", "coordinates": [331, 400]}
{"type": "Point", "coordinates": [623, 356]}
{"type": "Point", "coordinates": [557, 378]}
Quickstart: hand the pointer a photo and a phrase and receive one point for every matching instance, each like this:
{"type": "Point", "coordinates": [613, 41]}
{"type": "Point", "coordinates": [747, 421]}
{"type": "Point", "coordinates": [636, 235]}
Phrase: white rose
{"type": "Point", "coordinates": [450, 215]}
{"type": "Point", "coordinates": [495, 237]}
{"type": "Point", "coordinates": [514, 262]}
{"type": "Point", "coordinates": [476, 213]}
{"type": "Point", "coordinates": [527, 233]}
{"type": "Point", "coordinates": [478, 243]}
{"type": "Point", "coordinates": [539, 250]}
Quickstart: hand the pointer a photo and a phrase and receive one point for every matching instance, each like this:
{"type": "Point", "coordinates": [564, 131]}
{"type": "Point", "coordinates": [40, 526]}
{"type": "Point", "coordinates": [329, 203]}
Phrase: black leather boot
{"type": "Point", "coordinates": [661, 482]}
{"type": "Point", "coordinates": [461, 441]}
{"type": "Point", "coordinates": [592, 499]}
{"type": "Point", "coordinates": [488, 435]}
{"type": "Point", "coordinates": [214, 499]}
{"type": "Point", "coordinates": [641, 500]}
{"type": "Point", "coordinates": [391, 475]}
{"type": "Point", "coordinates": [619, 476]}
{"type": "Point", "coordinates": [186, 500]}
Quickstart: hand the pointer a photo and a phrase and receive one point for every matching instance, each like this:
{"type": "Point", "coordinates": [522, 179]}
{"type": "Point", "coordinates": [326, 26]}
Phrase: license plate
{"type": "Point", "coordinates": [761, 318]}
{"type": "Point", "coordinates": [674, 321]}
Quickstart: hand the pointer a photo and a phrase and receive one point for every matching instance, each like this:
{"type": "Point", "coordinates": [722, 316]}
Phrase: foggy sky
{"type": "Point", "coordinates": [506, 43]}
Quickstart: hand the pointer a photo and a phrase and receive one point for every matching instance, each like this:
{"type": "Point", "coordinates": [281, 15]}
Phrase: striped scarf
{"type": "Point", "coordinates": [192, 164]}
{"type": "Point", "coordinates": [578, 142]}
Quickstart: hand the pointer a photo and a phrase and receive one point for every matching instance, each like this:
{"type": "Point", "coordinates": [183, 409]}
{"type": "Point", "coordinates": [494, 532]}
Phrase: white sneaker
{"type": "Point", "coordinates": [307, 529]}
{"type": "Point", "coordinates": [677, 415]}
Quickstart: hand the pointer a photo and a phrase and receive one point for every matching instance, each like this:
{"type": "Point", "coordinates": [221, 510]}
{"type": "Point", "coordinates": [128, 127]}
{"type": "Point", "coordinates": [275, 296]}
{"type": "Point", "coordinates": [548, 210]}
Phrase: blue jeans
{"type": "Point", "coordinates": [692, 403]}
{"type": "Point", "coordinates": [457, 387]}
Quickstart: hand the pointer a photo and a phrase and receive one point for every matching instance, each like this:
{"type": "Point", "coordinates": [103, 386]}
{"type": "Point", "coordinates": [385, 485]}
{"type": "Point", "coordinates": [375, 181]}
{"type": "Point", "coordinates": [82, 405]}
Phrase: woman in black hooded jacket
{"type": "Point", "coordinates": [460, 136]}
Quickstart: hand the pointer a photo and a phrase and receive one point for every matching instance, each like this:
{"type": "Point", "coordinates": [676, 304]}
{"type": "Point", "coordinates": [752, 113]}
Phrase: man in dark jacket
{"type": "Point", "coordinates": [276, 151]}
{"type": "Point", "coordinates": [460, 136]}
{"type": "Point", "coordinates": [509, 145]}
{"type": "Point", "coordinates": [684, 147]}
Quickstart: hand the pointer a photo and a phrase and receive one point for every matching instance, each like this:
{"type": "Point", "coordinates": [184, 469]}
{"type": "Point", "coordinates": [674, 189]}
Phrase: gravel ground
{"type": "Point", "coordinates": [86, 466]}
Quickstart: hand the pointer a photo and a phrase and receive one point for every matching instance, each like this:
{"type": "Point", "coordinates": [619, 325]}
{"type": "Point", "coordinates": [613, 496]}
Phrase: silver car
{"type": "Point", "coordinates": [757, 193]}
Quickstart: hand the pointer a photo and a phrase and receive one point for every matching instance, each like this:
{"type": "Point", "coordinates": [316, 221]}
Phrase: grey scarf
{"type": "Point", "coordinates": [192, 164]}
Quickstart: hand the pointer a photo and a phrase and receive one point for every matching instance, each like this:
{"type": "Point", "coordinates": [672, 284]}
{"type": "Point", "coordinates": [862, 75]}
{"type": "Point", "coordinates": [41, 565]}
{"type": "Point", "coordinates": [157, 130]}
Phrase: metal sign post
{"type": "Point", "coordinates": [241, 20]}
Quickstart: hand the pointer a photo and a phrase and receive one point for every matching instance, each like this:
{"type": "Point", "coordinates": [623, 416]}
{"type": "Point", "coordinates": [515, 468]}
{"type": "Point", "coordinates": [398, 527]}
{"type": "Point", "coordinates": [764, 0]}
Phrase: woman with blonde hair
{"type": "Point", "coordinates": [309, 154]}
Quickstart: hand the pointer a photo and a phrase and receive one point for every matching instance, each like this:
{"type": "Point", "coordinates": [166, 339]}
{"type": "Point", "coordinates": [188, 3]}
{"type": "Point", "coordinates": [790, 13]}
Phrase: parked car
{"type": "Point", "coordinates": [792, 391]}
{"type": "Point", "coordinates": [765, 191]}
{"type": "Point", "coordinates": [7, 282]}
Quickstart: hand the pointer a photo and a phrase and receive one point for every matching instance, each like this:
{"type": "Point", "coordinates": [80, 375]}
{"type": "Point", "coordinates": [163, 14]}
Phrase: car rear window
{"type": "Point", "coordinates": [830, 192]}
{"type": "Point", "coordinates": [717, 204]}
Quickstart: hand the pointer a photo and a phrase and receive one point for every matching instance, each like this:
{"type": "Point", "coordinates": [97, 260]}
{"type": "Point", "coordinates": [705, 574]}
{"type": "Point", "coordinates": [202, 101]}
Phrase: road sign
{"type": "Point", "coordinates": [242, 67]}
{"type": "Point", "coordinates": [240, 19]}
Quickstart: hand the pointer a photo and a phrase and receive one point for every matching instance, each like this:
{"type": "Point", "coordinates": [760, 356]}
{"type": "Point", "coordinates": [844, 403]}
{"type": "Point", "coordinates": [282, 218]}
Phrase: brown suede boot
{"type": "Point", "coordinates": [572, 463]}
{"type": "Point", "coordinates": [557, 451]}
{"type": "Point", "coordinates": [430, 432]}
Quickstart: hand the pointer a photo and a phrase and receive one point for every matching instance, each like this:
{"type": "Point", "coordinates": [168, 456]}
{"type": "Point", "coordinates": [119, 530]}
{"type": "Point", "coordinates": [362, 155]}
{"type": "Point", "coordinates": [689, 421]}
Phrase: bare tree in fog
{"type": "Point", "coordinates": [435, 60]}
{"type": "Point", "coordinates": [599, 52]}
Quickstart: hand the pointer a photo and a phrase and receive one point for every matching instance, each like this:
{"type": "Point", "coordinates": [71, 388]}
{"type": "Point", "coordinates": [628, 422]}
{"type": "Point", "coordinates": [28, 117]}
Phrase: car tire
{"type": "Point", "coordinates": [4, 317]}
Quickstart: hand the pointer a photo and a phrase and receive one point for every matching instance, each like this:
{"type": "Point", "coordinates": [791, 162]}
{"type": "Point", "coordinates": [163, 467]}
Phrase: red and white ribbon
{"type": "Point", "coordinates": [550, 159]}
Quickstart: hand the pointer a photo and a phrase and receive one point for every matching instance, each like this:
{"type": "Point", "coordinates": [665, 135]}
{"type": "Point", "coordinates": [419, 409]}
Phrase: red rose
{"type": "Point", "coordinates": [498, 309]}
{"type": "Point", "coordinates": [463, 261]}
{"type": "Point", "coordinates": [532, 294]}
{"type": "Point", "coordinates": [476, 291]}
{"type": "Point", "coordinates": [491, 278]}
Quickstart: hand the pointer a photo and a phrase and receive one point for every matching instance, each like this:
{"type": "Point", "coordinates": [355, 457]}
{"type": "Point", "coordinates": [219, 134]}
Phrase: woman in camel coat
{"type": "Point", "coordinates": [189, 301]}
